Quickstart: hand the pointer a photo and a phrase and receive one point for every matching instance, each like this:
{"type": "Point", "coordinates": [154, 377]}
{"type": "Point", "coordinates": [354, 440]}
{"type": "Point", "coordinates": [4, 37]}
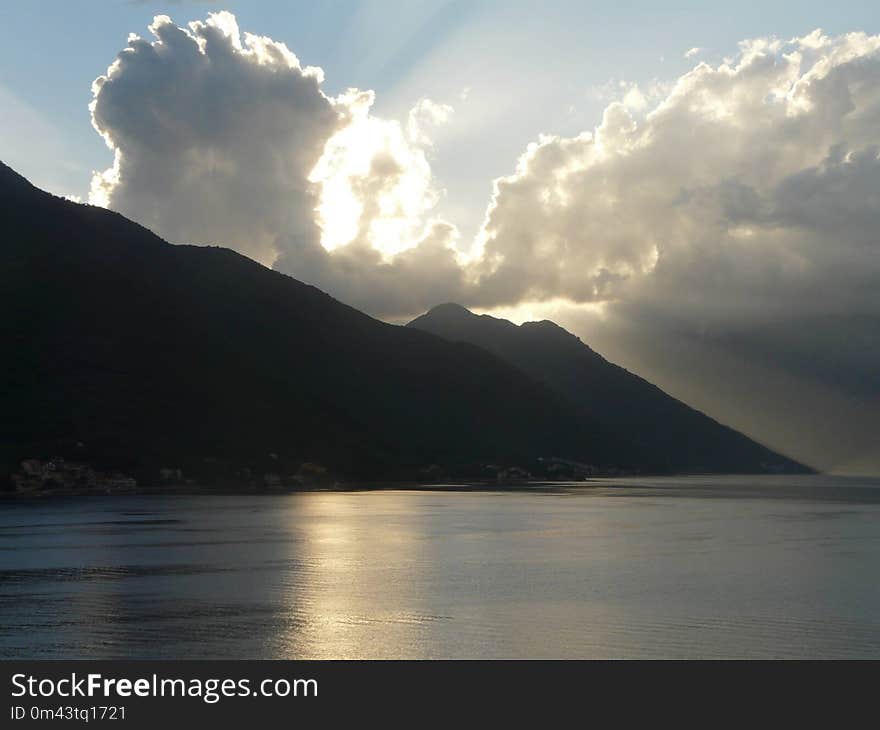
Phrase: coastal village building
{"type": "Point", "coordinates": [36, 476]}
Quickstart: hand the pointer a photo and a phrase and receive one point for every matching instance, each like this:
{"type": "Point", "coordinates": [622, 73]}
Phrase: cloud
{"type": "Point", "coordinates": [750, 189]}
{"type": "Point", "coordinates": [226, 138]}
{"type": "Point", "coordinates": [695, 51]}
{"type": "Point", "coordinates": [213, 136]}
{"type": "Point", "coordinates": [375, 179]}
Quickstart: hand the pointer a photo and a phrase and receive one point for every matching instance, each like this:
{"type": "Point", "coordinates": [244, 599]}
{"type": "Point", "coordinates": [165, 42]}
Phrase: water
{"type": "Point", "coordinates": [684, 567]}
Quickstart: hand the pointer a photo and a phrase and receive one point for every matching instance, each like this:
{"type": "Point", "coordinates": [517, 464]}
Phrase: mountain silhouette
{"type": "Point", "coordinates": [664, 430]}
{"type": "Point", "coordinates": [128, 352]}
{"type": "Point", "coordinates": [136, 354]}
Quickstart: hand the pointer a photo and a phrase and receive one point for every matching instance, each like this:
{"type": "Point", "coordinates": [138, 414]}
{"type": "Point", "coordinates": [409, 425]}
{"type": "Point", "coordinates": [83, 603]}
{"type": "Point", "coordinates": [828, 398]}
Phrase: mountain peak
{"type": "Point", "coordinates": [630, 407]}
{"type": "Point", "coordinates": [445, 319]}
{"type": "Point", "coordinates": [449, 309]}
{"type": "Point", "coordinates": [454, 315]}
{"type": "Point", "coordinates": [546, 325]}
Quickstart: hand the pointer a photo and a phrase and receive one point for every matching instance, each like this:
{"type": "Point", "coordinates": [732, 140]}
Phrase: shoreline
{"type": "Point", "coordinates": [190, 490]}
{"type": "Point", "coordinates": [193, 490]}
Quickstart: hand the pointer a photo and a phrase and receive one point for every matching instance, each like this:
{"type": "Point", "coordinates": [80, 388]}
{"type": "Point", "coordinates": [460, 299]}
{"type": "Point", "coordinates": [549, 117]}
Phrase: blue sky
{"type": "Point", "coordinates": [530, 67]}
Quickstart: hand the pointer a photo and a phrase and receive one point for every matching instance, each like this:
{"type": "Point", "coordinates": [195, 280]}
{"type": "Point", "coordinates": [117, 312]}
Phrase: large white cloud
{"type": "Point", "coordinates": [224, 138]}
{"type": "Point", "coordinates": [747, 186]}
{"type": "Point", "coordinates": [213, 137]}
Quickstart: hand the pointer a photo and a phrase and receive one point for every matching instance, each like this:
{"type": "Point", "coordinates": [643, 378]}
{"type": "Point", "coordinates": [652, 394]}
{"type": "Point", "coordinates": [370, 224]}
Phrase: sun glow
{"type": "Point", "coordinates": [374, 178]}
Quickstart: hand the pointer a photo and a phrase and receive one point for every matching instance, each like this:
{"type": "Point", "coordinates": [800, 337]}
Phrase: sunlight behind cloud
{"type": "Point", "coordinates": [375, 179]}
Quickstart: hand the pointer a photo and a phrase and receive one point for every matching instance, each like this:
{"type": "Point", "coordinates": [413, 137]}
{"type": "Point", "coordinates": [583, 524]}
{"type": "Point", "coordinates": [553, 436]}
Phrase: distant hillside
{"type": "Point", "coordinates": [664, 429]}
{"type": "Point", "coordinates": [132, 353]}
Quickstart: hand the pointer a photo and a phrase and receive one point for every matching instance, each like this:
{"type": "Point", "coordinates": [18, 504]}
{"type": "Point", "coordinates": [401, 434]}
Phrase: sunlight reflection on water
{"type": "Point", "coordinates": [688, 567]}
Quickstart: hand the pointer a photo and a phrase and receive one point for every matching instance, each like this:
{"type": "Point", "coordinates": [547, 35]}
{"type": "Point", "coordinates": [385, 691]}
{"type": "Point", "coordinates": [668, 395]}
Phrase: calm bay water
{"type": "Point", "coordinates": [677, 567]}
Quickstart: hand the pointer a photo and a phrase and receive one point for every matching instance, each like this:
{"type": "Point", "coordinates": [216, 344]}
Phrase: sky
{"type": "Point", "coordinates": [692, 188]}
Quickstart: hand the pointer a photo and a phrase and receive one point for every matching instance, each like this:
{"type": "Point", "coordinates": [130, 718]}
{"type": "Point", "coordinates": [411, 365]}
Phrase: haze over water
{"type": "Point", "coordinates": [755, 567]}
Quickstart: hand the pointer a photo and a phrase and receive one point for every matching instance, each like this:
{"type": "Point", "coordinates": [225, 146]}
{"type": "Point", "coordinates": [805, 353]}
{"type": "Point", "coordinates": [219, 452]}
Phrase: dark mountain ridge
{"type": "Point", "coordinates": [128, 352]}
{"type": "Point", "coordinates": [137, 354]}
{"type": "Point", "coordinates": [662, 428]}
